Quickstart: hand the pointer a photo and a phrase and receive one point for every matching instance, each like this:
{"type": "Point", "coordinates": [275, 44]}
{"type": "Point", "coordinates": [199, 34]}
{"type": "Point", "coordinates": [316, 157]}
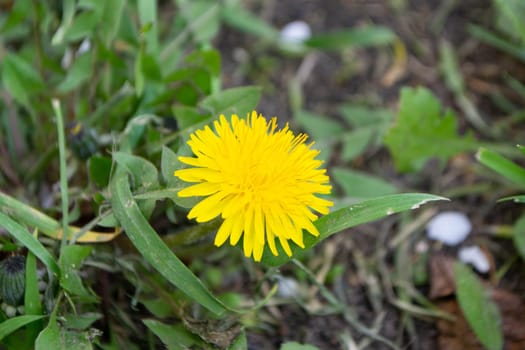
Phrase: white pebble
{"type": "Point", "coordinates": [288, 287]}
{"type": "Point", "coordinates": [10, 311]}
{"type": "Point", "coordinates": [21, 310]}
{"type": "Point", "coordinates": [475, 257]}
{"type": "Point", "coordinates": [295, 32]}
{"type": "Point", "coordinates": [449, 227]}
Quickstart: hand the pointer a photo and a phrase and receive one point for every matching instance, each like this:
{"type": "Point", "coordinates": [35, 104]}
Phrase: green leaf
{"type": "Point", "coordinates": [153, 249]}
{"type": "Point", "coordinates": [9, 326]}
{"type": "Point", "coordinates": [355, 143]}
{"type": "Point", "coordinates": [240, 343]}
{"type": "Point", "coordinates": [49, 338]}
{"type": "Point", "coordinates": [169, 164]}
{"type": "Point", "coordinates": [20, 78]}
{"type": "Point", "coordinates": [422, 132]}
{"type": "Point", "coordinates": [362, 185]}
{"type": "Point", "coordinates": [110, 21]}
{"type": "Point", "coordinates": [362, 116]}
{"type": "Point", "coordinates": [29, 241]}
{"type": "Point", "coordinates": [518, 235]}
{"type": "Point", "coordinates": [318, 126]}
{"type": "Point", "coordinates": [357, 214]}
{"type": "Point", "coordinates": [144, 173]}
{"type": "Point", "coordinates": [188, 116]}
{"type": "Point", "coordinates": [147, 11]}
{"type": "Point", "coordinates": [99, 169]}
{"type": "Point", "coordinates": [292, 345]}
{"type": "Point", "coordinates": [245, 21]}
{"type": "Point", "coordinates": [193, 12]}
{"type": "Point", "coordinates": [351, 38]}
{"type": "Point", "coordinates": [450, 69]}
{"type": "Point", "coordinates": [174, 337]}
{"type": "Point", "coordinates": [71, 258]}
{"type": "Point", "coordinates": [32, 304]}
{"type": "Point", "coordinates": [240, 101]}
{"type": "Point", "coordinates": [479, 310]}
{"type": "Point", "coordinates": [502, 166]}
{"type": "Point", "coordinates": [510, 18]}
{"type": "Point", "coordinates": [79, 73]}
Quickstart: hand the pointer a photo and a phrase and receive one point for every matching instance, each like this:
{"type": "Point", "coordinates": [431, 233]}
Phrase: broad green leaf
{"type": "Point", "coordinates": [362, 185]}
{"type": "Point", "coordinates": [144, 173]}
{"type": "Point", "coordinates": [245, 21]}
{"type": "Point", "coordinates": [292, 345]}
{"type": "Point", "coordinates": [357, 214]}
{"type": "Point", "coordinates": [82, 321]}
{"type": "Point", "coordinates": [49, 338]}
{"type": "Point", "coordinates": [502, 166]}
{"type": "Point", "coordinates": [169, 164]}
{"type": "Point", "coordinates": [518, 235]}
{"type": "Point", "coordinates": [174, 337]}
{"type": "Point", "coordinates": [318, 126]}
{"type": "Point", "coordinates": [99, 169]}
{"type": "Point", "coordinates": [188, 116]}
{"type": "Point", "coordinates": [479, 310]}
{"type": "Point", "coordinates": [422, 132]}
{"type": "Point", "coordinates": [351, 38]}
{"type": "Point", "coordinates": [238, 101]}
{"type": "Point", "coordinates": [29, 241]}
{"type": "Point", "coordinates": [79, 73]}
{"type": "Point", "coordinates": [20, 78]}
{"type": "Point", "coordinates": [9, 326]}
{"type": "Point", "coordinates": [71, 258]}
{"type": "Point", "coordinates": [153, 249]}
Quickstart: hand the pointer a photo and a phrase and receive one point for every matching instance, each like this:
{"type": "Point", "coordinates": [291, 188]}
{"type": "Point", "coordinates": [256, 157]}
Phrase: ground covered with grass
{"type": "Point", "coordinates": [417, 109]}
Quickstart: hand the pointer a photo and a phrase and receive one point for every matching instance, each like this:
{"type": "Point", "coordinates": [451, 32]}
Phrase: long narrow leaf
{"type": "Point", "coordinates": [9, 326]}
{"type": "Point", "coordinates": [153, 249]}
{"type": "Point", "coordinates": [29, 241]}
{"type": "Point", "coordinates": [502, 166]}
{"type": "Point", "coordinates": [354, 215]}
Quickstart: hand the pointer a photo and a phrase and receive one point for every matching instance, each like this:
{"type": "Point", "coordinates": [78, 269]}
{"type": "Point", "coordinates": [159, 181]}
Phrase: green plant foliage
{"type": "Point", "coordinates": [70, 263]}
{"type": "Point", "coordinates": [479, 310]}
{"type": "Point", "coordinates": [518, 235]}
{"type": "Point", "coordinates": [422, 132]}
{"type": "Point", "coordinates": [357, 214]}
{"type": "Point", "coordinates": [502, 166]}
{"type": "Point", "coordinates": [360, 185]}
{"type": "Point", "coordinates": [153, 249]}
{"type": "Point", "coordinates": [174, 337]}
{"type": "Point", "coordinates": [348, 38]}
{"type": "Point", "coordinates": [291, 345]}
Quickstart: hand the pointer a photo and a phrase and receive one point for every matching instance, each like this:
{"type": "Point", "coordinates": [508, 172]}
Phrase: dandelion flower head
{"type": "Point", "coordinates": [262, 181]}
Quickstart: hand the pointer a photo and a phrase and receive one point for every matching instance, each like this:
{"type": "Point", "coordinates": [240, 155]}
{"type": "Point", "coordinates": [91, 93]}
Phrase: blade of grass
{"type": "Point", "coordinates": [31, 217]}
{"type": "Point", "coordinates": [9, 326]}
{"type": "Point", "coordinates": [502, 166]}
{"type": "Point", "coordinates": [63, 169]}
{"type": "Point", "coordinates": [32, 303]}
{"type": "Point", "coordinates": [153, 249]}
{"type": "Point", "coordinates": [29, 241]}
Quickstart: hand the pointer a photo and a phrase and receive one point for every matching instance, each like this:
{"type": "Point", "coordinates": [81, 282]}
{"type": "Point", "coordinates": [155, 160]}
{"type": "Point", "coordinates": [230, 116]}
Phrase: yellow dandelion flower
{"type": "Point", "coordinates": [262, 182]}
